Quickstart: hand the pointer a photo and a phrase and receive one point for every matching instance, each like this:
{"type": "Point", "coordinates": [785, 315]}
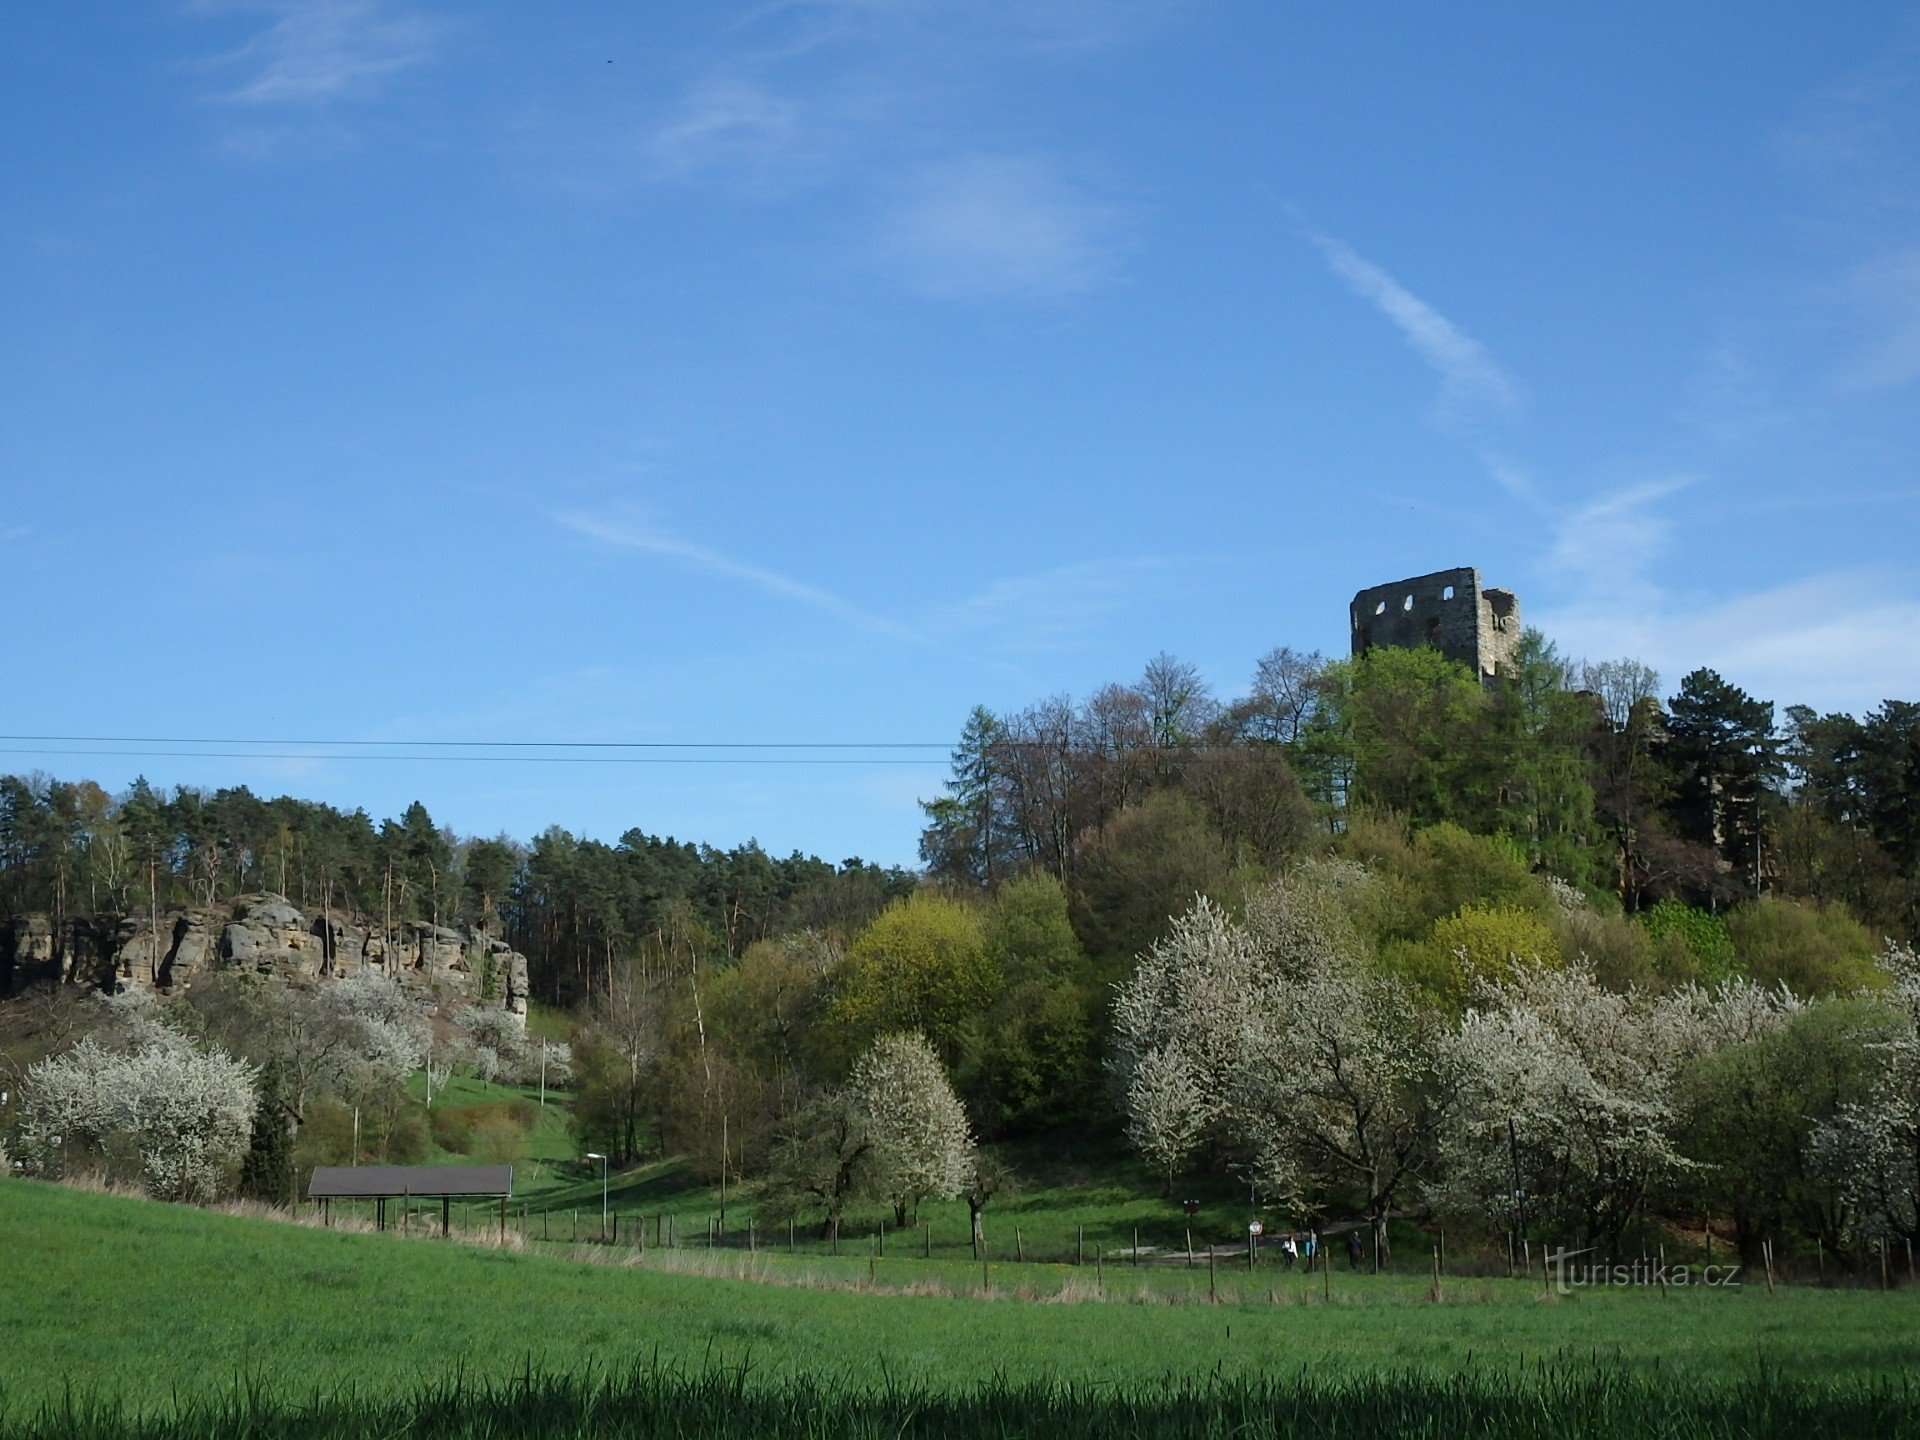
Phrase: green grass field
{"type": "Point", "coordinates": [157, 1304]}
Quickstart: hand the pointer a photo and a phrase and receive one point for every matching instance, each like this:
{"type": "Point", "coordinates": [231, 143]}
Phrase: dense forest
{"type": "Point", "coordinates": [574, 905]}
{"type": "Point", "coordinates": [1160, 910]}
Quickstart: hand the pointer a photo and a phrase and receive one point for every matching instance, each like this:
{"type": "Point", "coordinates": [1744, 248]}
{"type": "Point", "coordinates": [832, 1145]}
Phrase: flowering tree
{"type": "Point", "coordinates": [1565, 1093]}
{"type": "Point", "coordinates": [922, 1147]}
{"type": "Point", "coordinates": [1168, 1107]}
{"type": "Point", "coordinates": [494, 1041]}
{"type": "Point", "coordinates": [382, 1033]}
{"type": "Point", "coordinates": [1871, 1148]}
{"type": "Point", "coordinates": [1275, 1038]}
{"type": "Point", "coordinates": [185, 1113]}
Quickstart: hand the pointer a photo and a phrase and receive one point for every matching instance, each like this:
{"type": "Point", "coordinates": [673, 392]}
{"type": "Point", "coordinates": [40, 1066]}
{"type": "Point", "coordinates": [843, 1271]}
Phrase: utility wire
{"type": "Point", "coordinates": [483, 759]}
{"type": "Point", "coordinates": [494, 744]}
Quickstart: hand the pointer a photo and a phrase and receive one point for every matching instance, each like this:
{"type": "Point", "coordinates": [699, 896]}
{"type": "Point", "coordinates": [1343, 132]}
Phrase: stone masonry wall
{"type": "Point", "coordinates": [1449, 610]}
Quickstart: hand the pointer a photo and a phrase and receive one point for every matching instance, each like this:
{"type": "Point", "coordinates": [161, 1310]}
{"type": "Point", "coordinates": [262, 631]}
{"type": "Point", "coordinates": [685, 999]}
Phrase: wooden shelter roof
{"type": "Point", "coordinates": [375, 1182]}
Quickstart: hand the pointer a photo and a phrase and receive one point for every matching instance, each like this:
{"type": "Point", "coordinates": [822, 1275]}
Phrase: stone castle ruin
{"type": "Point", "coordinates": [1449, 610]}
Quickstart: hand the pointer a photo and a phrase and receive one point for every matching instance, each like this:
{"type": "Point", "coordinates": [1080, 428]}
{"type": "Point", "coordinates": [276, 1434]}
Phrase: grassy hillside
{"type": "Point", "coordinates": [149, 1301]}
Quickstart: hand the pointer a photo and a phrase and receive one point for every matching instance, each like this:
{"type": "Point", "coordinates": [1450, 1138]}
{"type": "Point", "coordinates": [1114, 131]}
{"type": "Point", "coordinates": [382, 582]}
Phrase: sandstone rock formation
{"type": "Point", "coordinates": [264, 933]}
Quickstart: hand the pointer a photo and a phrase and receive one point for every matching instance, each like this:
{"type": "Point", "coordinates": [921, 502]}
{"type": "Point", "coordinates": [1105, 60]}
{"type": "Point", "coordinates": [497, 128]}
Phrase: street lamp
{"type": "Point", "coordinates": [596, 1155]}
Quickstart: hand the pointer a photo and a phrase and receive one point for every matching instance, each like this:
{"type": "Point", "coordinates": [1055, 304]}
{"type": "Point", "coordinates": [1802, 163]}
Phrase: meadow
{"type": "Point", "coordinates": [183, 1317]}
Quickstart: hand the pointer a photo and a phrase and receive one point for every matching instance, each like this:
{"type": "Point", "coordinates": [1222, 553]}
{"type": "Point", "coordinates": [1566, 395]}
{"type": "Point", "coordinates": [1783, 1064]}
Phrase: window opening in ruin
{"type": "Point", "coordinates": [1447, 593]}
{"type": "Point", "coordinates": [1381, 608]}
{"type": "Point", "coordinates": [1407, 604]}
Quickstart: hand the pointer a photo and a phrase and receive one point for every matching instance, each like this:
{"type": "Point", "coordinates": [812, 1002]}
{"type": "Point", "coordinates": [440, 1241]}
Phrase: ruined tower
{"type": "Point", "coordinates": [1449, 610]}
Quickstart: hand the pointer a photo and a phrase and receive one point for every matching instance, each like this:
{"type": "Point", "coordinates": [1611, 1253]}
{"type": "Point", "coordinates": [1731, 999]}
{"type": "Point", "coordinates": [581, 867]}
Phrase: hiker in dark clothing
{"type": "Point", "coordinates": [1356, 1249]}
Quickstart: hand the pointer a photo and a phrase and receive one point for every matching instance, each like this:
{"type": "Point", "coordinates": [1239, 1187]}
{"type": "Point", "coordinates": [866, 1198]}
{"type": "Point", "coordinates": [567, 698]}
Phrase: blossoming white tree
{"type": "Point", "coordinates": [1565, 1100]}
{"type": "Point", "coordinates": [1871, 1148]}
{"type": "Point", "coordinates": [1275, 1038]}
{"type": "Point", "coordinates": [185, 1113]}
{"type": "Point", "coordinates": [923, 1149]}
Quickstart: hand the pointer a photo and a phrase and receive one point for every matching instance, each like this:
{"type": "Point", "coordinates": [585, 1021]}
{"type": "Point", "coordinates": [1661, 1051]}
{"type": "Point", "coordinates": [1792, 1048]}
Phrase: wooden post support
{"type": "Point", "coordinates": [1253, 1245]}
{"type": "Point", "coordinates": [1019, 1246]}
{"type": "Point", "coordinates": [1136, 1244]}
{"type": "Point", "coordinates": [1662, 1272]}
{"type": "Point", "coordinates": [926, 1240]}
{"type": "Point", "coordinates": [753, 1243]}
{"type": "Point", "coordinates": [1099, 1273]}
{"type": "Point", "coordinates": [880, 1239]}
{"type": "Point", "coordinates": [1213, 1288]}
{"type": "Point", "coordinates": [1326, 1273]}
{"type": "Point", "coordinates": [503, 1219]}
{"type": "Point", "coordinates": [546, 1216]}
{"type": "Point", "coordinates": [1436, 1274]}
{"type": "Point", "coordinates": [986, 1287]}
{"type": "Point", "coordinates": [1079, 1244]}
{"type": "Point", "coordinates": [1189, 1247]}
{"type": "Point", "coordinates": [576, 1227]}
{"type": "Point", "coordinates": [790, 1235]}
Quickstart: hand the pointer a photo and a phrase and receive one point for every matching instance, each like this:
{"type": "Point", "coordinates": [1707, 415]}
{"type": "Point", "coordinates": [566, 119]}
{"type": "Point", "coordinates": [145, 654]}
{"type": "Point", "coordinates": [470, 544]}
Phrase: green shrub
{"type": "Point", "coordinates": [1814, 949]}
{"type": "Point", "coordinates": [1689, 944]}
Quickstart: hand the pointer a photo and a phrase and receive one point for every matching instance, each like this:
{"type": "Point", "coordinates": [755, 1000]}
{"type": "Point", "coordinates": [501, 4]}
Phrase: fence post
{"type": "Point", "coordinates": [1136, 1244]}
{"type": "Point", "coordinates": [1079, 1244]}
{"type": "Point", "coordinates": [1213, 1291]}
{"type": "Point", "coordinates": [1189, 1247]}
{"type": "Point", "coordinates": [926, 1240]}
{"type": "Point", "coordinates": [1019, 1246]}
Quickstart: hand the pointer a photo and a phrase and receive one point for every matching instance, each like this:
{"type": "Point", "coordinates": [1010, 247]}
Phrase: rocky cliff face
{"type": "Point", "coordinates": [266, 933]}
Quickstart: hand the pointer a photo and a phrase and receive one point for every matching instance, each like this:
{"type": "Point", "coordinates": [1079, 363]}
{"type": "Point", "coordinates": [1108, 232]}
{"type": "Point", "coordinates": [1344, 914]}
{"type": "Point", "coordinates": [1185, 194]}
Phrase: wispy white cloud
{"type": "Point", "coordinates": [880, 102]}
{"type": "Point", "coordinates": [1610, 543]}
{"type": "Point", "coordinates": [729, 125]}
{"type": "Point", "coordinates": [1843, 640]}
{"type": "Point", "coordinates": [312, 52]}
{"type": "Point", "coordinates": [1852, 140]}
{"type": "Point", "coordinates": [1053, 610]}
{"type": "Point", "coordinates": [626, 530]}
{"type": "Point", "coordinates": [994, 226]}
{"type": "Point", "coordinates": [1886, 295]}
{"type": "Point", "coordinates": [1472, 386]}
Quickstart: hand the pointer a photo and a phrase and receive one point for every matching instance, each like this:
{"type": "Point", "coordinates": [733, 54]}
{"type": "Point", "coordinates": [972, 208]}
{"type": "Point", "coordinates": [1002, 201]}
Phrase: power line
{"type": "Point", "coordinates": [490, 744]}
{"type": "Point", "coordinates": [480, 759]}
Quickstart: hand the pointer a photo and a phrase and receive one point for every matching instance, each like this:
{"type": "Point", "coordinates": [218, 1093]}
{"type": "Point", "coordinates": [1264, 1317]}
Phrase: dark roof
{"type": "Point", "coordinates": [362, 1182]}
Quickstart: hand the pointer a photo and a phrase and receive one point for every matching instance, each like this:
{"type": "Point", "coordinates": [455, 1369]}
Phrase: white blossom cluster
{"type": "Point", "coordinates": [1275, 1039]}
{"type": "Point", "coordinates": [383, 1036]}
{"type": "Point", "coordinates": [1272, 1037]}
{"type": "Point", "coordinates": [923, 1149]}
{"type": "Point", "coordinates": [1871, 1148]}
{"type": "Point", "coordinates": [185, 1113]}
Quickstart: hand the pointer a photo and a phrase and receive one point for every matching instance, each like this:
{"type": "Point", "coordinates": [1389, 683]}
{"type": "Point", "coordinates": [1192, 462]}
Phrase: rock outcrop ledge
{"type": "Point", "coordinates": [265, 933]}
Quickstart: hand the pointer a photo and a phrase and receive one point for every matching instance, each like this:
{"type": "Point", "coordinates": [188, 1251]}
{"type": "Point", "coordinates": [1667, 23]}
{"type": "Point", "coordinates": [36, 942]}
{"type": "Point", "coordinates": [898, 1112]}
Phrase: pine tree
{"type": "Point", "coordinates": [266, 1173]}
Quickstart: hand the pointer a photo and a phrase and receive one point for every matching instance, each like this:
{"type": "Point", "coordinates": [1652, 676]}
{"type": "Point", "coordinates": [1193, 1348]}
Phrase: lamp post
{"type": "Point", "coordinates": [596, 1155]}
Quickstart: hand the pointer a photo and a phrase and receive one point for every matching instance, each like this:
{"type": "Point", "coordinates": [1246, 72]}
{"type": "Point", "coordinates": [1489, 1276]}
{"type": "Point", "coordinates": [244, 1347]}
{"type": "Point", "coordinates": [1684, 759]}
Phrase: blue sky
{"type": "Point", "coordinates": [383, 370]}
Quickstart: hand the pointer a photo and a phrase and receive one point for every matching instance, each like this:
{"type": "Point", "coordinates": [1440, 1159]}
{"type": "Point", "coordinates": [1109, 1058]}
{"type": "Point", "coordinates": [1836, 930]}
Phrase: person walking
{"type": "Point", "coordinates": [1356, 1248]}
